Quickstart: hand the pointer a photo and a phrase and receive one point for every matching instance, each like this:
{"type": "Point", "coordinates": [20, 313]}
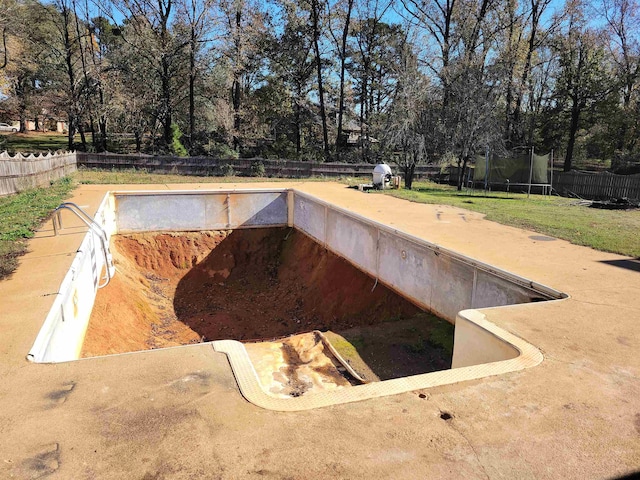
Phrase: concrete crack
{"type": "Point", "coordinates": [475, 453]}
{"type": "Point", "coordinates": [451, 423]}
{"type": "Point", "coordinates": [603, 304]}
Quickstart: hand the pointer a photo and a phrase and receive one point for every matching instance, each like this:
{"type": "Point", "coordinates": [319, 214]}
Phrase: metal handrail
{"type": "Point", "coordinates": [89, 222]}
{"type": "Point", "coordinates": [79, 212]}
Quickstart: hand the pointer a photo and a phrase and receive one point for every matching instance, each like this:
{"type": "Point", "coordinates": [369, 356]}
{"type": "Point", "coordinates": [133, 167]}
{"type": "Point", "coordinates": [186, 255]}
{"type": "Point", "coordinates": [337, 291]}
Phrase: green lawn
{"type": "Point", "coordinates": [616, 231]}
{"type": "Point", "coordinates": [101, 177]}
{"type": "Point", "coordinates": [21, 214]}
{"type": "Point", "coordinates": [33, 142]}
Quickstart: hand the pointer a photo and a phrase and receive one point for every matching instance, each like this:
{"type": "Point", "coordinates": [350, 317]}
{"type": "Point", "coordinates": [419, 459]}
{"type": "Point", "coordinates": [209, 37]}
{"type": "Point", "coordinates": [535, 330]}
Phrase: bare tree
{"type": "Point", "coordinates": [293, 61]}
{"type": "Point", "coordinates": [437, 17]}
{"type": "Point", "coordinates": [196, 15]}
{"type": "Point", "coordinates": [410, 117]}
{"type": "Point", "coordinates": [623, 29]}
{"type": "Point", "coordinates": [149, 31]}
{"type": "Point", "coordinates": [341, 48]}
{"type": "Point", "coordinates": [316, 11]}
{"type": "Point", "coordinates": [242, 45]}
{"type": "Point", "coordinates": [582, 78]}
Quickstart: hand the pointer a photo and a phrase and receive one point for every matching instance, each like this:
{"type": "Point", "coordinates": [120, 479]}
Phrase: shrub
{"type": "Point", "coordinates": [177, 148]}
{"type": "Point", "coordinates": [257, 169]}
{"type": "Point", "coordinates": [226, 169]}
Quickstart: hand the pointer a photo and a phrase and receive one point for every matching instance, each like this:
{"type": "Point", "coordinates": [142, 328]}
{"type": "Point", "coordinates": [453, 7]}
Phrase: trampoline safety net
{"type": "Point", "coordinates": [515, 169]}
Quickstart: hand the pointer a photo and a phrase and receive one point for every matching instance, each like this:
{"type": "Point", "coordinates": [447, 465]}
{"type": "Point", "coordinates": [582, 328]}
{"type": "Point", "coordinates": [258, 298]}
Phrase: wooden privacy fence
{"type": "Point", "coordinates": [595, 186]}
{"type": "Point", "coordinates": [20, 172]}
{"type": "Point", "coordinates": [243, 166]}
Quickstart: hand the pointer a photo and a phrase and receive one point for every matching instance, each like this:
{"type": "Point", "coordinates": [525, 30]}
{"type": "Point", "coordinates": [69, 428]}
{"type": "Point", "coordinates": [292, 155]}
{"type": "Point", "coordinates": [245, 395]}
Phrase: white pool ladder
{"type": "Point", "coordinates": [90, 222]}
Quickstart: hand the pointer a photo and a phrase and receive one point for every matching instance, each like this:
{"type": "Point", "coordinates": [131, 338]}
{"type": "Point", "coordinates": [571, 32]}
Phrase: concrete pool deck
{"type": "Point", "coordinates": [177, 413]}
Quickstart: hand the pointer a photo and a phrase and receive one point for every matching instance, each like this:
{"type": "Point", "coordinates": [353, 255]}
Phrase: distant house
{"type": "Point", "coordinates": [353, 134]}
{"type": "Point", "coordinates": [49, 124]}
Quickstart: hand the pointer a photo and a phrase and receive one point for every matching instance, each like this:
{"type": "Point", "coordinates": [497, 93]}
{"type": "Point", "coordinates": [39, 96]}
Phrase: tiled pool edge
{"type": "Point", "coordinates": [251, 389]}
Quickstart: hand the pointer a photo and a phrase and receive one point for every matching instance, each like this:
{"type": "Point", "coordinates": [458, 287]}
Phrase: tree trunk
{"type": "Point", "coordinates": [461, 171]}
{"type": "Point", "coordinates": [363, 102]}
{"type": "Point", "coordinates": [5, 52]}
{"type": "Point", "coordinates": [236, 99]}
{"type": "Point", "coordinates": [87, 82]}
{"type": "Point", "coordinates": [236, 88]}
{"type": "Point", "coordinates": [83, 138]}
{"type": "Point", "coordinates": [101, 144]}
{"type": "Point", "coordinates": [343, 62]}
{"type": "Point", "coordinates": [298, 130]}
{"type": "Point", "coordinates": [573, 130]}
{"type": "Point", "coordinates": [138, 138]}
{"type": "Point", "coordinates": [508, 136]}
{"type": "Point", "coordinates": [164, 10]}
{"type": "Point", "coordinates": [535, 20]}
{"type": "Point", "coordinates": [409, 169]}
{"type": "Point", "coordinates": [446, 51]}
{"type": "Point", "coordinates": [102, 125]}
{"type": "Point", "coordinates": [315, 11]}
{"type": "Point", "coordinates": [166, 103]}
{"type": "Point", "coordinates": [72, 129]}
{"type": "Point", "coordinates": [75, 120]}
{"type": "Point", "coordinates": [20, 91]}
{"type": "Point", "coordinates": [192, 82]}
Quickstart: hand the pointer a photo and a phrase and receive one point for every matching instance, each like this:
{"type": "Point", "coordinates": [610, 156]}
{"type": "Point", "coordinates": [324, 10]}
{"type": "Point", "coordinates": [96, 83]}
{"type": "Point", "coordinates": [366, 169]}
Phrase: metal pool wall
{"type": "Point", "coordinates": [429, 275]}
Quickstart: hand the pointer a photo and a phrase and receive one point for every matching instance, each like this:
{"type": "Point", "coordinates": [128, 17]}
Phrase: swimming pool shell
{"type": "Point", "coordinates": [432, 277]}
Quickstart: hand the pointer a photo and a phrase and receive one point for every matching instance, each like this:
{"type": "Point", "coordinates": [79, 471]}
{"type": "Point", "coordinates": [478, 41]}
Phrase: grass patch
{"type": "Point", "coordinates": [21, 214]}
{"type": "Point", "coordinates": [613, 231]}
{"type": "Point", "coordinates": [133, 176]}
{"type": "Point", "coordinates": [34, 142]}
{"type": "Point", "coordinates": [439, 335]}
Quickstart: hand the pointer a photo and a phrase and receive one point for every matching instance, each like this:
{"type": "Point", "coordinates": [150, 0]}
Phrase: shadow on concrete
{"type": "Point", "coordinates": [629, 476]}
{"type": "Point", "coordinates": [632, 264]}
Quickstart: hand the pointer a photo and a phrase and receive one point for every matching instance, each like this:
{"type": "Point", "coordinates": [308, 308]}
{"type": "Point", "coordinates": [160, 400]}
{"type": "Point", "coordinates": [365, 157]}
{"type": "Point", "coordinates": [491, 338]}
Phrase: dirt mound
{"type": "Point", "coordinates": [245, 284]}
{"type": "Point", "coordinates": [135, 311]}
{"type": "Point", "coordinates": [268, 283]}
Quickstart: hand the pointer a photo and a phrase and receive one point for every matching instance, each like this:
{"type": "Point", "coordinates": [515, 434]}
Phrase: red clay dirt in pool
{"type": "Point", "coordinates": [180, 288]}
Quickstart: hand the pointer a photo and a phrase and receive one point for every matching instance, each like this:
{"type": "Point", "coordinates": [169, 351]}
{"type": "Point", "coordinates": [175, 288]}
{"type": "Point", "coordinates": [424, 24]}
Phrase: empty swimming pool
{"type": "Point", "coordinates": [325, 301]}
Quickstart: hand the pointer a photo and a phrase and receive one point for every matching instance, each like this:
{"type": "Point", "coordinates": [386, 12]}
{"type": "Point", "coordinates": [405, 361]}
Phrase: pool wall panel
{"type": "Point", "coordinates": [476, 343]}
{"type": "Point", "coordinates": [352, 239]}
{"type": "Point", "coordinates": [138, 213]}
{"type": "Point", "coordinates": [492, 291]}
{"type": "Point", "coordinates": [309, 217]}
{"type": "Point", "coordinates": [190, 211]}
{"type": "Point", "coordinates": [258, 210]}
{"type": "Point", "coordinates": [407, 267]}
{"type": "Point", "coordinates": [453, 282]}
{"type": "Point", "coordinates": [427, 274]}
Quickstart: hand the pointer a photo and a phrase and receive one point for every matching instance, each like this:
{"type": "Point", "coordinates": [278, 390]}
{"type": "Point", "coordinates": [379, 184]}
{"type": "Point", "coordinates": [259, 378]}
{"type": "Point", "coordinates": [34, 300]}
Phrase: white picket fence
{"type": "Point", "coordinates": [18, 172]}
